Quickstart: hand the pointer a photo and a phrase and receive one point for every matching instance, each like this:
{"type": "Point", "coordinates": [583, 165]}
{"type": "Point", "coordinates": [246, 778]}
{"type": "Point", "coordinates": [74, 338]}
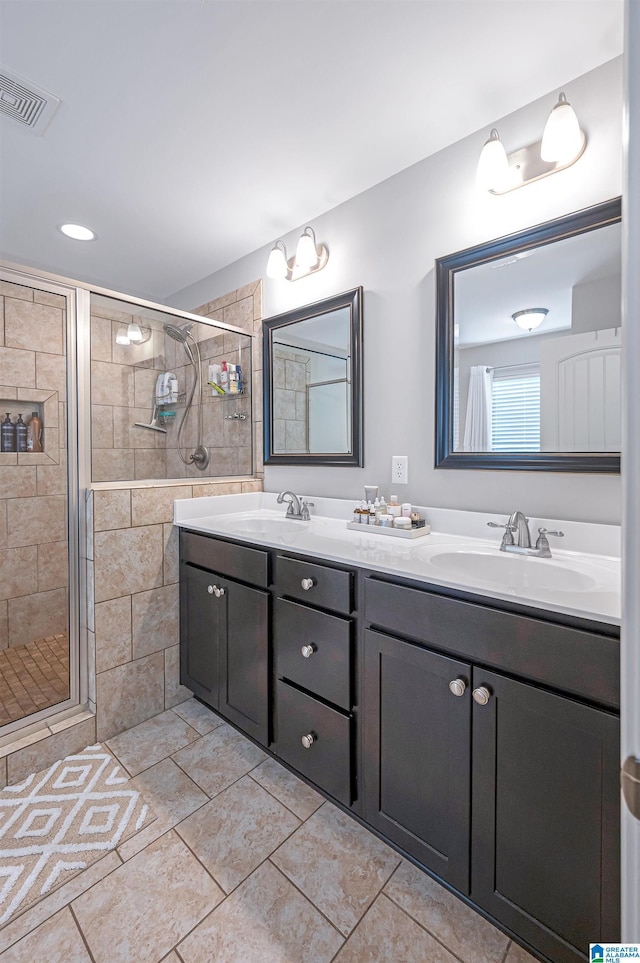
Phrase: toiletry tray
{"type": "Point", "coordinates": [394, 532]}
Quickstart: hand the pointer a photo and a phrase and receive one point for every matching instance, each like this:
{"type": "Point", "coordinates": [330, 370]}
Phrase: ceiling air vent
{"type": "Point", "coordinates": [24, 102]}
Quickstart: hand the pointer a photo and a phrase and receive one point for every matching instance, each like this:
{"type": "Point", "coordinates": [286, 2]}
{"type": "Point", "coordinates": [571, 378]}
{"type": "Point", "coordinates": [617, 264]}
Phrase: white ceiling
{"type": "Point", "coordinates": [191, 133]}
{"type": "Point", "coordinates": [488, 294]}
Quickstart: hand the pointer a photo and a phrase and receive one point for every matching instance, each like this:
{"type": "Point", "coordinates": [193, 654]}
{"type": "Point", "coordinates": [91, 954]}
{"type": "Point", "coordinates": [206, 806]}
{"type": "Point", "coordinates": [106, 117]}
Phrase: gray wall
{"type": "Point", "coordinates": [386, 239]}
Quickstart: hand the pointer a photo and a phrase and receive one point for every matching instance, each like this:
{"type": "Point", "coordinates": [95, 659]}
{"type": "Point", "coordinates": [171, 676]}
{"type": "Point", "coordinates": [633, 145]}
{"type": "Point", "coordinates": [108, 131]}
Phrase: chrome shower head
{"type": "Point", "coordinates": [178, 333]}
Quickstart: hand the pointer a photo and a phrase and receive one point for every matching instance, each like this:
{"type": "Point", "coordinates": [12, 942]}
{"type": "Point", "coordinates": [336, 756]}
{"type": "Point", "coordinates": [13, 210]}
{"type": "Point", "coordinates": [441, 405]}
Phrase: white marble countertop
{"type": "Point", "coordinates": [582, 579]}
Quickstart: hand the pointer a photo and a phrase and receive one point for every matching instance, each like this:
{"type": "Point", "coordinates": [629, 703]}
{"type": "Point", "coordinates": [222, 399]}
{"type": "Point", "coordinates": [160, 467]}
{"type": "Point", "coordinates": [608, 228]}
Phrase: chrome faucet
{"type": "Point", "coordinates": [518, 525]}
{"type": "Point", "coordinates": [297, 507]}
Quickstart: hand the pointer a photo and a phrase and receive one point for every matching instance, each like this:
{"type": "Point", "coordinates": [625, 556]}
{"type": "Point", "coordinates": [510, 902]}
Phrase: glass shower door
{"type": "Point", "coordinates": [39, 665]}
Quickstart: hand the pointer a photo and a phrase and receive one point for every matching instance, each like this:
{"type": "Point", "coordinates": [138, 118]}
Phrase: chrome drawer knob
{"type": "Point", "coordinates": [307, 583]}
{"type": "Point", "coordinates": [481, 695]}
{"type": "Point", "coordinates": [308, 740]}
{"type": "Point", "coordinates": [218, 592]}
{"type": "Point", "coordinates": [458, 686]}
{"type": "Point", "coordinates": [308, 650]}
{"type": "Point", "coordinates": [210, 589]}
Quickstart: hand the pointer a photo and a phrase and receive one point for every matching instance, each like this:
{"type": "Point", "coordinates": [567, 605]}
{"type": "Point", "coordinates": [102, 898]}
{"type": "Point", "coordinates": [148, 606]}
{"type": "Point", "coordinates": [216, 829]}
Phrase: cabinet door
{"type": "Point", "coordinates": [546, 817]}
{"type": "Point", "coordinates": [417, 753]}
{"type": "Point", "coordinates": [244, 657]}
{"type": "Point", "coordinates": [199, 630]}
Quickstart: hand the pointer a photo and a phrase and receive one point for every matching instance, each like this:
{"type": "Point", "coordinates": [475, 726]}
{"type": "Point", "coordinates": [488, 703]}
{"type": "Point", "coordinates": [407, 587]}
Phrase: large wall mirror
{"type": "Point", "coordinates": [313, 384]}
{"type": "Point", "coordinates": [528, 348]}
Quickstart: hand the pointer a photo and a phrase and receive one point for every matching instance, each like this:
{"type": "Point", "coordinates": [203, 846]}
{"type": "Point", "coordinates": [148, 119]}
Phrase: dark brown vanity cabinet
{"type": "Point", "coordinates": [504, 788]}
{"type": "Point", "coordinates": [417, 754]}
{"type": "Point", "coordinates": [224, 630]}
{"type": "Point", "coordinates": [313, 656]}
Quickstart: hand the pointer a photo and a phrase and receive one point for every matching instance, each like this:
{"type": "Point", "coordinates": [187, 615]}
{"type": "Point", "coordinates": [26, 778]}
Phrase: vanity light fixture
{"type": "Point", "coordinates": [309, 258]}
{"type": "Point", "coordinates": [530, 318]}
{"type": "Point", "coordinates": [562, 144]}
{"type": "Point", "coordinates": [132, 334]}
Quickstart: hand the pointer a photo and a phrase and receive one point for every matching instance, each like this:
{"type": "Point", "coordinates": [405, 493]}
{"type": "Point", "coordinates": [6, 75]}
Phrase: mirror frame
{"type": "Point", "coordinates": [589, 219]}
{"type": "Point", "coordinates": [349, 299]}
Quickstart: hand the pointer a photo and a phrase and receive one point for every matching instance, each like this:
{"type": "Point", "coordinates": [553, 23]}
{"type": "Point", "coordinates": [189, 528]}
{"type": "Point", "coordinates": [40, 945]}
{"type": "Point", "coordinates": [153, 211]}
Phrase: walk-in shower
{"type": "Point", "coordinates": [153, 415]}
{"type": "Point", "coordinates": [182, 334]}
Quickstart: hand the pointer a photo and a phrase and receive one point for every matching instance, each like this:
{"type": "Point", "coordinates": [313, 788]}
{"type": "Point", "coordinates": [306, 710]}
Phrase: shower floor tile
{"type": "Point", "coordinates": [33, 677]}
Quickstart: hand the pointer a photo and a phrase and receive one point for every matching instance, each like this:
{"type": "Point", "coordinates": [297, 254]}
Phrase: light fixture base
{"type": "Point", "coordinates": [295, 273]}
{"type": "Point", "coordinates": [526, 166]}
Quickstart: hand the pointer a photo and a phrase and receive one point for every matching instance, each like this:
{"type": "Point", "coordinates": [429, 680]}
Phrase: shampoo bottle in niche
{"type": "Point", "coordinates": [21, 435]}
{"type": "Point", "coordinates": [8, 434]}
{"type": "Point", "coordinates": [34, 432]}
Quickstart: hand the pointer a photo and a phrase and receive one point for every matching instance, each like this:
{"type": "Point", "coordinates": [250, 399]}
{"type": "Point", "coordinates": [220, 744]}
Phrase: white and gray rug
{"type": "Point", "coordinates": [59, 821]}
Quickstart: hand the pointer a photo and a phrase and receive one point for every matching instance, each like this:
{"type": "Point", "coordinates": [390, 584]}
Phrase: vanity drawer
{"type": "Point", "coordinates": [327, 670]}
{"type": "Point", "coordinates": [328, 588]}
{"type": "Point", "coordinates": [237, 561]}
{"type": "Point", "coordinates": [570, 659]}
{"type": "Point", "coordinates": [327, 761]}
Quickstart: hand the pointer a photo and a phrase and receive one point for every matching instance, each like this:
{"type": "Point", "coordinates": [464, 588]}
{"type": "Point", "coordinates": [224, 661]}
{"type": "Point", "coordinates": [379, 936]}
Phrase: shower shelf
{"type": "Point", "coordinates": [25, 408]}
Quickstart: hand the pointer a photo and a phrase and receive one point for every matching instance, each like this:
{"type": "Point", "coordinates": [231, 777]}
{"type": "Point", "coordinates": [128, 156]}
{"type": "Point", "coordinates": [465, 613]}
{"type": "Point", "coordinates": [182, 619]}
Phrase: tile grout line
{"type": "Point", "coordinates": [307, 899]}
{"type": "Point", "coordinates": [438, 939]}
{"type": "Point", "coordinates": [65, 904]}
{"type": "Point", "coordinates": [82, 936]}
{"type": "Point", "coordinates": [273, 795]}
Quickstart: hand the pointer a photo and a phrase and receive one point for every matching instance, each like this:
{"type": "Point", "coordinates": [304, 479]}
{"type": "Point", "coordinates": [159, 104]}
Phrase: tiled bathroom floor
{"type": "Point", "coordinates": [244, 864]}
{"type": "Point", "coordinates": [33, 677]}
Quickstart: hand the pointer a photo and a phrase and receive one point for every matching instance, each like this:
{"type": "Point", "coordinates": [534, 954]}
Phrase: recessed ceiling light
{"type": "Point", "coordinates": [77, 232]}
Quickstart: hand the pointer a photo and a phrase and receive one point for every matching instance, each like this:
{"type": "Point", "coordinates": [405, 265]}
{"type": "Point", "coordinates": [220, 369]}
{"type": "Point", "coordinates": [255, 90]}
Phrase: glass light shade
{"type": "Point", "coordinates": [493, 166]}
{"type": "Point", "coordinates": [562, 137]}
{"type": "Point", "coordinates": [306, 252]}
{"type": "Point", "coordinates": [77, 232]}
{"type": "Point", "coordinates": [530, 318]}
{"type": "Point", "coordinates": [122, 337]}
{"type": "Point", "coordinates": [277, 264]}
{"type": "Point", "coordinates": [134, 332]}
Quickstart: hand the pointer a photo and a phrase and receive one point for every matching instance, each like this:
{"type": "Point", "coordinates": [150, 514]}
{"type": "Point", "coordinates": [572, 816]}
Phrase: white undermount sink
{"type": "Point", "coordinates": [513, 572]}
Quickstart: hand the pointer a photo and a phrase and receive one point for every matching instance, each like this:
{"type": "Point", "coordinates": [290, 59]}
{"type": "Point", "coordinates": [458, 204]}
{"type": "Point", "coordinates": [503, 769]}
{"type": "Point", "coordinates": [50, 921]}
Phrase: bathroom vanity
{"type": "Point", "coordinates": [477, 734]}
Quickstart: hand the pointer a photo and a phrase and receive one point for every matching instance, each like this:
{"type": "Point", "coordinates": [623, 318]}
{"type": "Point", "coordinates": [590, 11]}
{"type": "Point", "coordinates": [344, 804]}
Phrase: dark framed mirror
{"type": "Point", "coordinates": [313, 394]}
{"type": "Point", "coordinates": [528, 348]}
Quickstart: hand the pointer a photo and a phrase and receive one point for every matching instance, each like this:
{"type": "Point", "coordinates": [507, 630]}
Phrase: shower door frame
{"type": "Point", "coordinates": [75, 416]}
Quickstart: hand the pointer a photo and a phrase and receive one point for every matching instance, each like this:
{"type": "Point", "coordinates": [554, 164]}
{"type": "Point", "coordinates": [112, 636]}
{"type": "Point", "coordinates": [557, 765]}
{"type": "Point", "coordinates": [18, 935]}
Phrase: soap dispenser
{"type": "Point", "coordinates": [21, 434]}
{"type": "Point", "coordinates": [8, 434]}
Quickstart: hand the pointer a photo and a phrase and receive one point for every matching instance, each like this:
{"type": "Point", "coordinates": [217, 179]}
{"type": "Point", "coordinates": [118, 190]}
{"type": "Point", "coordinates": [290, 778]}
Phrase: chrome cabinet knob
{"type": "Point", "coordinates": [210, 589]}
{"type": "Point", "coordinates": [458, 686]}
{"type": "Point", "coordinates": [481, 695]}
{"type": "Point", "coordinates": [308, 650]}
{"type": "Point", "coordinates": [218, 592]}
{"type": "Point", "coordinates": [308, 740]}
{"type": "Point", "coordinates": [307, 583]}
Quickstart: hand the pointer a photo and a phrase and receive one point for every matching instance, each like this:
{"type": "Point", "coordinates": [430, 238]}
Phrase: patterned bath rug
{"type": "Point", "coordinates": [59, 821]}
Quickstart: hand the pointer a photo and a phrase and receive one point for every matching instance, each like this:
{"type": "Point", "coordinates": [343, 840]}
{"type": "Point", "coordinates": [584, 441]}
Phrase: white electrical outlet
{"type": "Point", "coordinates": [400, 469]}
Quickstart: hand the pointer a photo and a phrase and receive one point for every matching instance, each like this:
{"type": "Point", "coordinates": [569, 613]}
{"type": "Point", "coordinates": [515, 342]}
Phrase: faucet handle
{"type": "Point", "coordinates": [542, 542]}
{"type": "Point", "coordinates": [507, 538]}
{"type": "Point", "coordinates": [543, 532]}
{"type": "Point", "coordinates": [304, 510]}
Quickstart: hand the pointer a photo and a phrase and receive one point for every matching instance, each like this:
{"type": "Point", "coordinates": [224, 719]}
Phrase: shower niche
{"type": "Point", "coordinates": [26, 413]}
{"type": "Point", "coordinates": [169, 394]}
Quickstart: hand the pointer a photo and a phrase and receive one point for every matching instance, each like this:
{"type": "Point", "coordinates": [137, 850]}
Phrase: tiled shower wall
{"type": "Point", "coordinates": [243, 308]}
{"type": "Point", "coordinates": [123, 380]}
{"type": "Point", "coordinates": [133, 601]}
{"type": "Point", "coordinates": [33, 486]}
{"type": "Point", "coordinates": [290, 378]}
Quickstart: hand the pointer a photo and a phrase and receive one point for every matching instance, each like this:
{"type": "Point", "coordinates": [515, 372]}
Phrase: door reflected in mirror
{"type": "Point", "coordinates": [529, 348]}
{"type": "Point", "coordinates": [312, 383]}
